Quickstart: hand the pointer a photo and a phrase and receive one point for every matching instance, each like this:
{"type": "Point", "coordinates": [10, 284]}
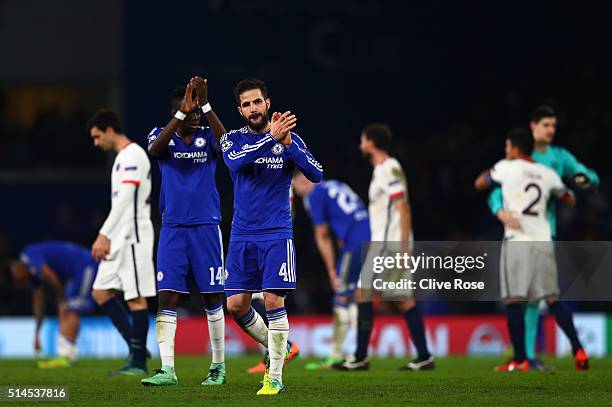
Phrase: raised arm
{"type": "Point", "coordinates": [159, 145]}
{"type": "Point", "coordinates": [304, 160]}
{"type": "Point", "coordinates": [583, 176]}
{"type": "Point", "coordinates": [201, 87]}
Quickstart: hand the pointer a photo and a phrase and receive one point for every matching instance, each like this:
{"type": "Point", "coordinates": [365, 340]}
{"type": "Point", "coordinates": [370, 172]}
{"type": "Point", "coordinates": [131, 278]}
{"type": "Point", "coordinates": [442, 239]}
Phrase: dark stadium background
{"type": "Point", "coordinates": [449, 80]}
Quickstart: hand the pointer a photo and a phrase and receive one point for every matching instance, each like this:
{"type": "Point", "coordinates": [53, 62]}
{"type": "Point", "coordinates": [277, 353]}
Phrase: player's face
{"type": "Point", "coordinates": [191, 123]}
{"type": "Point", "coordinates": [102, 139]}
{"type": "Point", "coordinates": [544, 130]}
{"type": "Point", "coordinates": [19, 272]}
{"type": "Point", "coordinates": [365, 145]}
{"type": "Point", "coordinates": [512, 152]}
{"type": "Point", "coordinates": [254, 109]}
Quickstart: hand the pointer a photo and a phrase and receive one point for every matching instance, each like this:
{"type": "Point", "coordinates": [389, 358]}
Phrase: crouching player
{"type": "Point", "coordinates": [69, 271]}
{"type": "Point", "coordinates": [334, 207]}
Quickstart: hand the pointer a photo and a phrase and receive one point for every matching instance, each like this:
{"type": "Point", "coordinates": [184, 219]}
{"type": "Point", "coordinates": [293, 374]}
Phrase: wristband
{"type": "Point", "coordinates": [206, 108]}
{"type": "Point", "coordinates": [180, 115]}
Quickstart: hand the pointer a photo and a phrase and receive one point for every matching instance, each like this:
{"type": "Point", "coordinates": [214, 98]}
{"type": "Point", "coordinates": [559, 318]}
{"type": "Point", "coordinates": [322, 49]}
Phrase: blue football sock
{"type": "Point", "coordinates": [139, 337]}
{"type": "Point", "coordinates": [565, 322]}
{"type": "Point", "coordinates": [417, 331]}
{"type": "Point", "coordinates": [119, 317]}
{"type": "Point", "coordinates": [365, 319]}
{"type": "Point", "coordinates": [516, 326]}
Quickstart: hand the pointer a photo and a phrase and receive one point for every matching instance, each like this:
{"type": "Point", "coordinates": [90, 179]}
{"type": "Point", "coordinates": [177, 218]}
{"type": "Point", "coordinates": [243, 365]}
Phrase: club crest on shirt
{"type": "Point", "coordinates": [278, 149]}
{"type": "Point", "coordinates": [200, 142]}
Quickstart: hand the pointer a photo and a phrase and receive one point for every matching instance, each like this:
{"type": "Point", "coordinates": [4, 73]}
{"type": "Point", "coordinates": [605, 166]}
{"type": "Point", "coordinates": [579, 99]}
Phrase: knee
{"type": "Point", "coordinates": [237, 308]}
{"type": "Point", "coordinates": [137, 304]}
{"type": "Point", "coordinates": [212, 300]}
{"type": "Point", "coordinates": [101, 296]}
{"type": "Point", "coordinates": [168, 300]}
{"type": "Point", "coordinates": [273, 301]}
{"type": "Point", "coordinates": [407, 304]}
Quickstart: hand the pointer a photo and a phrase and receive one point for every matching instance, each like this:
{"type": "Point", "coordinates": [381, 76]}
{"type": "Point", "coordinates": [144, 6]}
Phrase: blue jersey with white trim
{"type": "Point", "coordinates": [334, 203]}
{"type": "Point", "coordinates": [189, 193]}
{"type": "Point", "coordinates": [262, 170]}
{"type": "Point", "coordinates": [62, 257]}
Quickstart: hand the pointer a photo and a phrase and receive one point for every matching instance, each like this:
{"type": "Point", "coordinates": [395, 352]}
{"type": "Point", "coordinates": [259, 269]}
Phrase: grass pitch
{"type": "Point", "coordinates": [456, 381]}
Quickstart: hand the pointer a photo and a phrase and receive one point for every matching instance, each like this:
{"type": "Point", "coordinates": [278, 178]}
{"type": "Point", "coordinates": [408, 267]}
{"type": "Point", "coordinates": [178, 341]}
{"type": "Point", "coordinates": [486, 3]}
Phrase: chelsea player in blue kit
{"type": "Point", "coordinates": [190, 250]}
{"type": "Point", "coordinates": [334, 207]}
{"type": "Point", "coordinates": [69, 270]}
{"type": "Point", "coordinates": [261, 257]}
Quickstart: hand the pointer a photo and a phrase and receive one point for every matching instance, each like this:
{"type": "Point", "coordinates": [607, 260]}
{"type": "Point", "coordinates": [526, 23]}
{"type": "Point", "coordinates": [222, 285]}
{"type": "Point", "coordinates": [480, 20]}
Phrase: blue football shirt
{"type": "Point", "coordinates": [261, 170]}
{"type": "Point", "coordinates": [189, 193]}
{"type": "Point", "coordinates": [334, 203]}
{"type": "Point", "coordinates": [63, 258]}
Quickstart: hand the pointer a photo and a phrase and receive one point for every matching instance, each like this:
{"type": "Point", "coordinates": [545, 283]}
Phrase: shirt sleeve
{"type": "Point", "coordinates": [212, 140]}
{"type": "Point", "coordinates": [153, 135]}
{"type": "Point", "coordinates": [34, 262]}
{"type": "Point", "coordinates": [557, 187]}
{"type": "Point", "coordinates": [499, 172]}
{"type": "Point", "coordinates": [571, 166]}
{"type": "Point", "coordinates": [393, 182]}
{"type": "Point", "coordinates": [133, 170]}
{"type": "Point", "coordinates": [304, 160]}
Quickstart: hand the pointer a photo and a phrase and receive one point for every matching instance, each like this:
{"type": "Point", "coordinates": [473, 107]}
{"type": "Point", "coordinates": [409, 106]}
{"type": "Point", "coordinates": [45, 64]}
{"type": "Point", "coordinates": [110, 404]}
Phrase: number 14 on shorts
{"type": "Point", "coordinates": [220, 275]}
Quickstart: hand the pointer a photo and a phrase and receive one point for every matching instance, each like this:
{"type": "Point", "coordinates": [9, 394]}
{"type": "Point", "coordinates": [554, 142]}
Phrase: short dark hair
{"type": "Point", "coordinates": [380, 134]}
{"type": "Point", "coordinates": [250, 84]}
{"type": "Point", "coordinates": [541, 112]}
{"type": "Point", "coordinates": [177, 95]}
{"type": "Point", "coordinates": [521, 138]}
{"type": "Point", "coordinates": [103, 119]}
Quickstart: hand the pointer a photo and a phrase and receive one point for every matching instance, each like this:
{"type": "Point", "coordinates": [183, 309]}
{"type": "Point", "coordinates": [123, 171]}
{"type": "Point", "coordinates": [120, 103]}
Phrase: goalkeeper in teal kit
{"type": "Point", "coordinates": [543, 126]}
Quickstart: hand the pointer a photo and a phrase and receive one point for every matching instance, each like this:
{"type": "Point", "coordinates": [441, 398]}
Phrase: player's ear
{"type": "Point", "coordinates": [268, 103]}
{"type": "Point", "coordinates": [239, 109]}
{"type": "Point", "coordinates": [532, 125]}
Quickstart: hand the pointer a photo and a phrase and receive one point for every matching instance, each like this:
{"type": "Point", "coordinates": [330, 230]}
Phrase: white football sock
{"type": "Point", "coordinates": [253, 324]}
{"type": "Point", "coordinates": [66, 348]}
{"type": "Point", "coordinates": [342, 323]}
{"type": "Point", "coordinates": [216, 331]}
{"type": "Point", "coordinates": [277, 339]}
{"type": "Point", "coordinates": [165, 325]}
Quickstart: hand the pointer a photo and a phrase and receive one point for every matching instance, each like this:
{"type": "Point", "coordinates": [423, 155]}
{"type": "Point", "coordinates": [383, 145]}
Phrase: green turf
{"type": "Point", "coordinates": [455, 382]}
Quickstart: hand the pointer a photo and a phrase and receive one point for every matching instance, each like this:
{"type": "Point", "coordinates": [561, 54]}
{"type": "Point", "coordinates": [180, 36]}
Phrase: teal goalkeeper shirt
{"type": "Point", "coordinates": [565, 165]}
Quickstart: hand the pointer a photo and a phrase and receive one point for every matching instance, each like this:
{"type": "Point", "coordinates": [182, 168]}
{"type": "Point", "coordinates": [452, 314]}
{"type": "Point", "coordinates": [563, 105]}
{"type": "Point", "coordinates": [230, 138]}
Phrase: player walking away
{"type": "Point", "coordinates": [124, 245]}
{"type": "Point", "coordinates": [69, 270]}
{"type": "Point", "coordinates": [543, 126]}
{"type": "Point", "coordinates": [528, 270]}
{"type": "Point", "coordinates": [334, 207]}
{"type": "Point", "coordinates": [390, 221]}
{"type": "Point", "coordinates": [261, 257]}
{"type": "Point", "coordinates": [190, 250]}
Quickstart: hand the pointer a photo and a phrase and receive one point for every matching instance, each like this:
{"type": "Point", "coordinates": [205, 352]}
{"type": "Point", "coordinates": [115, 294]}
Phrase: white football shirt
{"type": "Point", "coordinates": [130, 216]}
{"type": "Point", "coordinates": [388, 183]}
{"type": "Point", "coordinates": [526, 189]}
